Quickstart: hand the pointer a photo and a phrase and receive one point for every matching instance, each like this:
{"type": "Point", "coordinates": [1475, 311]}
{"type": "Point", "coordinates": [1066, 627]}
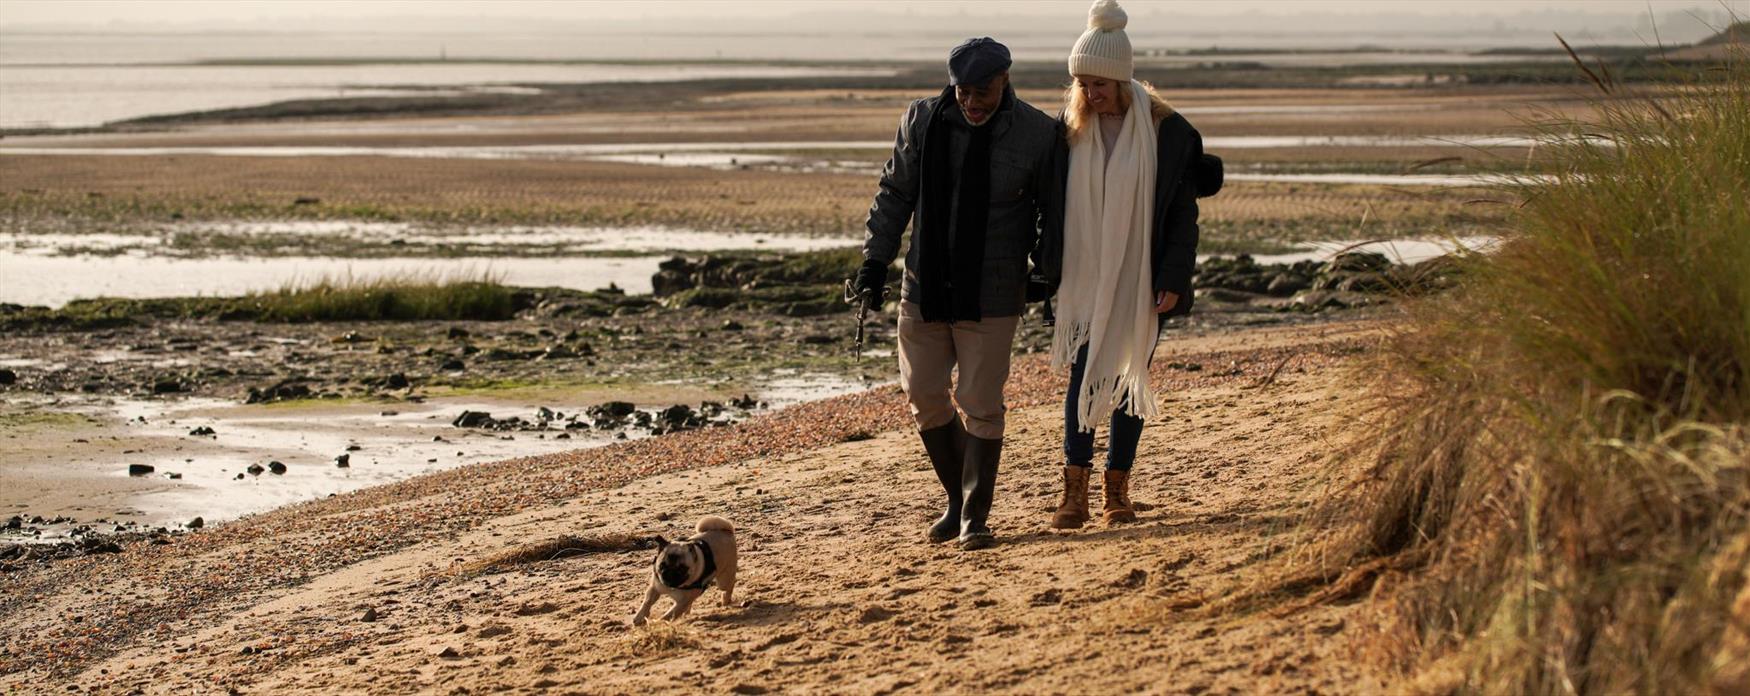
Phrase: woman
{"type": "Point", "coordinates": [1136, 169]}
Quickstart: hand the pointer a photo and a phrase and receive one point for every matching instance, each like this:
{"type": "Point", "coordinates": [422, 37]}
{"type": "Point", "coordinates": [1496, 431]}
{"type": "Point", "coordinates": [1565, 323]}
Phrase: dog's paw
{"type": "Point", "coordinates": [639, 621]}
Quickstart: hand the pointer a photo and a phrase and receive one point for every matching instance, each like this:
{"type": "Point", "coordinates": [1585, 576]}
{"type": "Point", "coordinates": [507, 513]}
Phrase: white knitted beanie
{"type": "Point", "coordinates": [1103, 50]}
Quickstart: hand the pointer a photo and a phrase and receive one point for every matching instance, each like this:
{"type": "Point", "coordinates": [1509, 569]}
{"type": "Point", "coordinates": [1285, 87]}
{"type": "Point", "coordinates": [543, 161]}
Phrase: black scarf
{"type": "Point", "coordinates": [951, 266]}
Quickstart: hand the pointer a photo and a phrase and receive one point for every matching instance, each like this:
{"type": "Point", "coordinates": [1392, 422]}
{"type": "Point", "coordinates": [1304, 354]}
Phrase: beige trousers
{"type": "Point", "coordinates": [929, 352]}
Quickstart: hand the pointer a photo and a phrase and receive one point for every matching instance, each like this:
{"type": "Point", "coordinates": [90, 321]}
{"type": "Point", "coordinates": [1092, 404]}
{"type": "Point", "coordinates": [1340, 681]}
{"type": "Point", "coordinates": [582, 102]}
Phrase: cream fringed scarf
{"type": "Point", "coordinates": [1104, 299]}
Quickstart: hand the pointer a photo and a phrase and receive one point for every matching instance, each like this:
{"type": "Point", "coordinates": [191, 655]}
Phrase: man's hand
{"type": "Point", "coordinates": [871, 282]}
{"type": "Point", "coordinates": [1165, 301]}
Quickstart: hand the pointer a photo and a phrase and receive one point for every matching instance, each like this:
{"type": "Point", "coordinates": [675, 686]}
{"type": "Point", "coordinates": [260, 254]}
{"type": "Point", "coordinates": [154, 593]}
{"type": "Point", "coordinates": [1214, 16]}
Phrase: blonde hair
{"type": "Point", "coordinates": [1077, 114]}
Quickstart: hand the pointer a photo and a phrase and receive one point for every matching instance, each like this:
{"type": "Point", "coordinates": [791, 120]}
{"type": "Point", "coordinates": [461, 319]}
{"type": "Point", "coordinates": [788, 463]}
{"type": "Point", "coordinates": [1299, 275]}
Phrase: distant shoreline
{"type": "Point", "coordinates": [1225, 69]}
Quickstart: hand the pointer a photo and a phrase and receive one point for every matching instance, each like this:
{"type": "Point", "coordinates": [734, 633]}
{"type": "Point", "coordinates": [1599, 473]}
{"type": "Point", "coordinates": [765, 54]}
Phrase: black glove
{"type": "Point", "coordinates": [1038, 290]}
{"type": "Point", "coordinates": [871, 282]}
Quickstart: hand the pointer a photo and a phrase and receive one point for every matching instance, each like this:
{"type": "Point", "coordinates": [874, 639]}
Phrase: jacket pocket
{"type": "Point", "coordinates": [1009, 177]}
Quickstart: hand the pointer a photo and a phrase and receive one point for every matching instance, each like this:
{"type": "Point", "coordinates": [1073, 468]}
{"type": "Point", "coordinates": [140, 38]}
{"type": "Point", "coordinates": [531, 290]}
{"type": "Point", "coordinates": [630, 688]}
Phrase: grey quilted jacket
{"type": "Point", "coordinates": [1025, 223]}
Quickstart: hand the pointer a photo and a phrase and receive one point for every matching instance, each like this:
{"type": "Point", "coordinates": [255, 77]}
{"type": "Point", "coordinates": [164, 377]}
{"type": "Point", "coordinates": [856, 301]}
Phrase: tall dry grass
{"type": "Point", "coordinates": [1558, 491]}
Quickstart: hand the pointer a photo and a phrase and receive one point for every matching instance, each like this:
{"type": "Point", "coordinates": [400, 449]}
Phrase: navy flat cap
{"type": "Point", "coordinates": [975, 61]}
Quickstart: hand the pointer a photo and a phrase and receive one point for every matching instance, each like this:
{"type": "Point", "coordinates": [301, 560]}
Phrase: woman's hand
{"type": "Point", "coordinates": [1165, 301]}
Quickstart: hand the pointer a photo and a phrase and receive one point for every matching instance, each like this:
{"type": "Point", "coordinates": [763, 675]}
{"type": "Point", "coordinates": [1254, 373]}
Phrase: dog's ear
{"type": "Point", "coordinates": [660, 541]}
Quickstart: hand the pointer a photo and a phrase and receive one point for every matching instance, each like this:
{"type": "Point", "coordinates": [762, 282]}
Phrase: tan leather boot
{"type": "Point", "coordinates": [1118, 507]}
{"type": "Point", "coordinates": [1072, 513]}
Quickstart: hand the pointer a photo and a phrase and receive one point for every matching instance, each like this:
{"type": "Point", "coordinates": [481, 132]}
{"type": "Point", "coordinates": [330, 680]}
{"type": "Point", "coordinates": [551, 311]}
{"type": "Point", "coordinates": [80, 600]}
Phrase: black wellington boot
{"type": "Point", "coordinates": [946, 446]}
{"type": "Point", "coordinates": [978, 483]}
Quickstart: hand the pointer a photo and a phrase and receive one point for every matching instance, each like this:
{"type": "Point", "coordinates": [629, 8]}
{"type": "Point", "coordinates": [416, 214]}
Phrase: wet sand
{"type": "Point", "coordinates": [75, 465]}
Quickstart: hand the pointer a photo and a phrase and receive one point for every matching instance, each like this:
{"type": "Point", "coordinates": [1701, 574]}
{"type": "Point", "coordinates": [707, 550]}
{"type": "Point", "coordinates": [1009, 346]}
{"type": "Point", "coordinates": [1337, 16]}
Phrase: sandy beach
{"type": "Point", "coordinates": [843, 594]}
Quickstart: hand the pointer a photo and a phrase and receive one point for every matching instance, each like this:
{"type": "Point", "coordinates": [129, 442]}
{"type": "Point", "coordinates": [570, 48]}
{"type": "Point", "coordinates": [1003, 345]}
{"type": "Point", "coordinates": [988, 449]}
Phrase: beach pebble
{"type": "Point", "coordinates": [473, 419]}
{"type": "Point", "coordinates": [449, 652]}
{"type": "Point", "coordinates": [343, 461]}
{"type": "Point", "coordinates": [8, 377]}
{"type": "Point", "coordinates": [370, 615]}
{"type": "Point", "coordinates": [202, 431]}
{"type": "Point", "coordinates": [15, 522]}
{"type": "Point", "coordinates": [254, 469]}
{"type": "Point", "coordinates": [140, 469]}
{"type": "Point", "coordinates": [197, 523]}
{"type": "Point", "coordinates": [276, 467]}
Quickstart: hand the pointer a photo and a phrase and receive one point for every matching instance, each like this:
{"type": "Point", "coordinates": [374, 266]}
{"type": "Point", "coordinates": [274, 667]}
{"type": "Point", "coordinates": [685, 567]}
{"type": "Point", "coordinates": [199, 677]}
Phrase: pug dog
{"type": "Point", "coordinates": [683, 569]}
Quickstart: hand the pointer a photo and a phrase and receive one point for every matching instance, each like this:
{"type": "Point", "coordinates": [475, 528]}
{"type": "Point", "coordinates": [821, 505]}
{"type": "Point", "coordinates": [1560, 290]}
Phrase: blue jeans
{"type": "Point", "coordinates": [1078, 446]}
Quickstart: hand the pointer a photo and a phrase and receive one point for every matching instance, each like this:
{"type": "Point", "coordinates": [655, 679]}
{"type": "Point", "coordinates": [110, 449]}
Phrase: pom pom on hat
{"type": "Point", "coordinates": [1106, 15]}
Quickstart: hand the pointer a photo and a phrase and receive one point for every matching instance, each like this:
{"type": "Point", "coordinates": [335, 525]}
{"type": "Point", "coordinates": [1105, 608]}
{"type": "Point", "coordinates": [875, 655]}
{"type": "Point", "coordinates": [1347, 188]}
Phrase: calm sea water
{"type": "Point", "coordinates": [78, 80]}
{"type": "Point", "coordinates": [37, 269]}
{"type": "Point", "coordinates": [39, 96]}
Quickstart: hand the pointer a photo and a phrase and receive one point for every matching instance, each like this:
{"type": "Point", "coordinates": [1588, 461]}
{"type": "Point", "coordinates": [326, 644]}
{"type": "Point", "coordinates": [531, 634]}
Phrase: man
{"type": "Point", "coordinates": [977, 173]}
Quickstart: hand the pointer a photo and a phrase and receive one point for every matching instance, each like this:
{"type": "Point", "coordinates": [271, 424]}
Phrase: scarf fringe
{"type": "Point", "coordinates": [1100, 398]}
{"type": "Point", "coordinates": [1067, 340]}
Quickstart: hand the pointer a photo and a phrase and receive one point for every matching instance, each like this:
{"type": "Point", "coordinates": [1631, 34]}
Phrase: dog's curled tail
{"type": "Point", "coordinates": [713, 523]}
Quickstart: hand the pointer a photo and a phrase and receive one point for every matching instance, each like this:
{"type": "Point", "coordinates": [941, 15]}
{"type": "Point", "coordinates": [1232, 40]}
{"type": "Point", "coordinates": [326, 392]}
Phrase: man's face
{"type": "Point", "coordinates": [978, 102]}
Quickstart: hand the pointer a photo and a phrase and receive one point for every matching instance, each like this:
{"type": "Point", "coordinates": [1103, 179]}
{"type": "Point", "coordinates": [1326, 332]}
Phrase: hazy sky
{"type": "Point", "coordinates": [230, 13]}
{"type": "Point", "coordinates": [1185, 22]}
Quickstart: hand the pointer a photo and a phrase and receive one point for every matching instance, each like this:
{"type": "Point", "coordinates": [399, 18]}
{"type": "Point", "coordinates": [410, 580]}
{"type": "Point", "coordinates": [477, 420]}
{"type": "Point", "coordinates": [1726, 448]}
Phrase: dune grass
{"type": "Point", "coordinates": [388, 298]}
{"type": "Point", "coordinates": [1557, 487]}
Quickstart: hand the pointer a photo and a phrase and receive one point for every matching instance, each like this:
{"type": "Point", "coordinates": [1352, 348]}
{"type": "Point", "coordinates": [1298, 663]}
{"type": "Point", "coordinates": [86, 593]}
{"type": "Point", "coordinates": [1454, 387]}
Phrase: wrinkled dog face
{"type": "Point", "coordinates": [677, 564]}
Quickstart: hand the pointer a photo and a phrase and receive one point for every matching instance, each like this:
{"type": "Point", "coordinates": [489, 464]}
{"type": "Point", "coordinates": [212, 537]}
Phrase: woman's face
{"type": "Point", "coordinates": [1101, 94]}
